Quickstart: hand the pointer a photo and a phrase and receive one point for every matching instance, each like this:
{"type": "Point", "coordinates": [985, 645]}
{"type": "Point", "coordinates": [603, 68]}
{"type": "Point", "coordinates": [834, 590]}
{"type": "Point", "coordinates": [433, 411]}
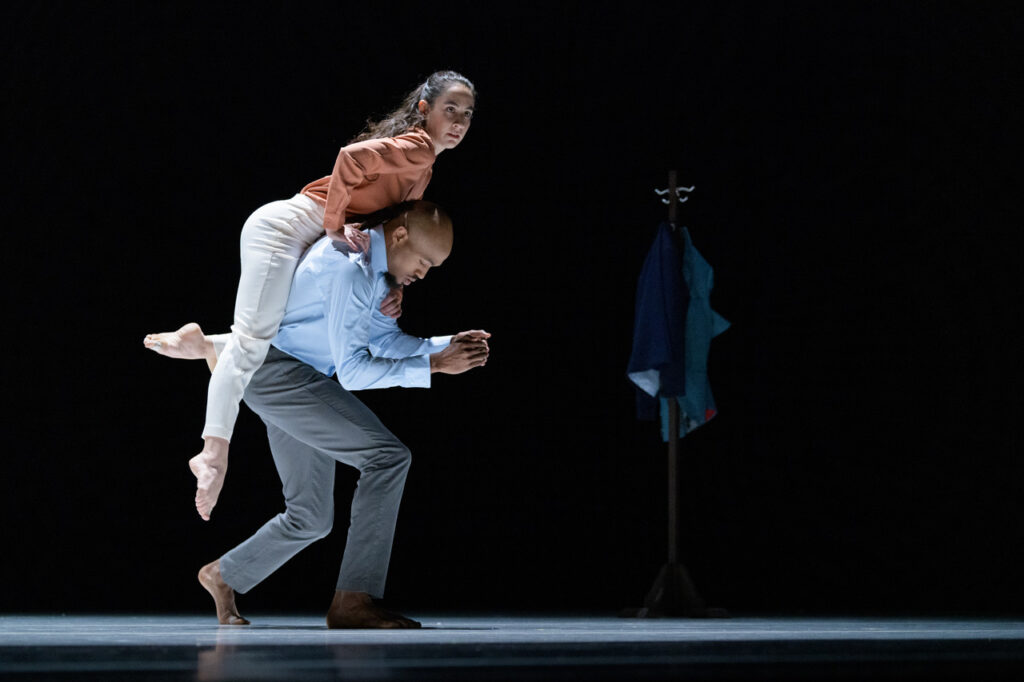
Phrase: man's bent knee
{"type": "Point", "coordinates": [394, 456]}
{"type": "Point", "coordinates": [306, 527]}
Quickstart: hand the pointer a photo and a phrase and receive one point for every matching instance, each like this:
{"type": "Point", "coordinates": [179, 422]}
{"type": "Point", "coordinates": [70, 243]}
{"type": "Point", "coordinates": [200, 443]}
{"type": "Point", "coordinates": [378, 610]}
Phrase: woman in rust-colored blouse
{"type": "Point", "coordinates": [388, 163]}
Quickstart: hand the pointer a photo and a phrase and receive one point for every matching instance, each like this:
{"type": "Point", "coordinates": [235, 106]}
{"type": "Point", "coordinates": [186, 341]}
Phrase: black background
{"type": "Point", "coordinates": [857, 187]}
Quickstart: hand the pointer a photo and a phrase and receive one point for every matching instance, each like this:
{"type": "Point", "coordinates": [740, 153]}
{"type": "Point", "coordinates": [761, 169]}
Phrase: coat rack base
{"type": "Point", "coordinates": [673, 595]}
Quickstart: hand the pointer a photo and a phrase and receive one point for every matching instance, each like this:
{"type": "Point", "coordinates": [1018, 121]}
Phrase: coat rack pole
{"type": "Point", "coordinates": [673, 197]}
{"type": "Point", "coordinates": [673, 419]}
{"type": "Point", "coordinates": [673, 477]}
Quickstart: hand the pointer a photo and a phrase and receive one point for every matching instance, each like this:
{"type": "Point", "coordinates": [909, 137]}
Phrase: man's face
{"type": "Point", "coordinates": [411, 255]}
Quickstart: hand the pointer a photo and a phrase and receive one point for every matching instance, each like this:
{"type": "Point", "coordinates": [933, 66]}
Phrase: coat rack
{"type": "Point", "coordinates": [673, 592]}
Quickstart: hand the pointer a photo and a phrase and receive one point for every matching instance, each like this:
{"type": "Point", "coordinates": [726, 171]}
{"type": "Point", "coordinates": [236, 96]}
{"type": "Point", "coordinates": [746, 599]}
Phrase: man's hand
{"type": "Point", "coordinates": [474, 334]}
{"type": "Point", "coordinates": [356, 240]}
{"type": "Point", "coordinates": [392, 303]}
{"type": "Point", "coordinates": [466, 351]}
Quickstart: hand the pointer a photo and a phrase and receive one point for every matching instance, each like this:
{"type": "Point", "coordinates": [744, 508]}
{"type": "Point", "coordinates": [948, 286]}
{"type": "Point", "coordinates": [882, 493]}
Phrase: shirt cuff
{"type": "Point", "coordinates": [417, 372]}
{"type": "Point", "coordinates": [439, 343]}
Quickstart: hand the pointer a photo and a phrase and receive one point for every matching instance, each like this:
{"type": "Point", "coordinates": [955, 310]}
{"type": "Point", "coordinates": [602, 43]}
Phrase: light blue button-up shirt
{"type": "Point", "coordinates": [332, 320]}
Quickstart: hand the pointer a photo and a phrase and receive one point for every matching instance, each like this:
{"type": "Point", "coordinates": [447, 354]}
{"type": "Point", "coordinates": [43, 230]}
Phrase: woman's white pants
{"type": "Point", "coordinates": [273, 239]}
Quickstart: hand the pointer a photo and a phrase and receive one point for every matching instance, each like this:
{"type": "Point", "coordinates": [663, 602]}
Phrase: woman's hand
{"type": "Point", "coordinates": [392, 303]}
{"type": "Point", "coordinates": [355, 239]}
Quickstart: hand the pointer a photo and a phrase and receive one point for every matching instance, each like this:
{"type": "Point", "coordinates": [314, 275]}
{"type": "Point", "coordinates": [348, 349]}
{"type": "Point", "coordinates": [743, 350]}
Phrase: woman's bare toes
{"type": "Point", "coordinates": [188, 343]}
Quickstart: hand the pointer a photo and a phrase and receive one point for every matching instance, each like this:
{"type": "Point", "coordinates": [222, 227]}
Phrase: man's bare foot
{"type": "Point", "coordinates": [357, 610]}
{"type": "Point", "coordinates": [188, 343]}
{"type": "Point", "coordinates": [209, 467]}
{"type": "Point", "coordinates": [223, 595]}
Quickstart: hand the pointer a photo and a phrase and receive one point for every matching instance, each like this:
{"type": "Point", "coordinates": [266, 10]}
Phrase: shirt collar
{"type": "Point", "coordinates": [378, 250]}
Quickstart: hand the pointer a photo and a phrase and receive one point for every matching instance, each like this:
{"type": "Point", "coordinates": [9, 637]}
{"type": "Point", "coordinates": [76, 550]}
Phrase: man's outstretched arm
{"type": "Point", "coordinates": [387, 340]}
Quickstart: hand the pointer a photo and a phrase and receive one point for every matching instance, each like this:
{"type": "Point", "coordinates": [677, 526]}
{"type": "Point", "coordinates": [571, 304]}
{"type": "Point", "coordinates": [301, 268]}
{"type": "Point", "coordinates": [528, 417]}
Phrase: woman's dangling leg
{"type": "Point", "coordinates": [273, 240]}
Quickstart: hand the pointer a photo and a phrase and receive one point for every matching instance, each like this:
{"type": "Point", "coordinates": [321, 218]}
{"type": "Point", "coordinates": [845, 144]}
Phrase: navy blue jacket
{"type": "Point", "coordinates": [672, 332]}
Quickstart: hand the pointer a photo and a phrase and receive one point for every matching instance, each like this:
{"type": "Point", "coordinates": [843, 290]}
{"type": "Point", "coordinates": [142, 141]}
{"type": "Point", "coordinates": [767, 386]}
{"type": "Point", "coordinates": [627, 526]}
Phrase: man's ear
{"type": "Point", "coordinates": [423, 106]}
{"type": "Point", "coordinates": [399, 235]}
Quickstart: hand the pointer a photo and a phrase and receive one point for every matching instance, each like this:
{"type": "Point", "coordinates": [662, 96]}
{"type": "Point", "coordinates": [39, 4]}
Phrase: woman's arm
{"type": "Point", "coordinates": [357, 161]}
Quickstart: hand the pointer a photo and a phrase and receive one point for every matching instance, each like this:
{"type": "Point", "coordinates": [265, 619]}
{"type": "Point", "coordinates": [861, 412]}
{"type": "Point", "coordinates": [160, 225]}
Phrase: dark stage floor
{"type": "Point", "coordinates": [477, 647]}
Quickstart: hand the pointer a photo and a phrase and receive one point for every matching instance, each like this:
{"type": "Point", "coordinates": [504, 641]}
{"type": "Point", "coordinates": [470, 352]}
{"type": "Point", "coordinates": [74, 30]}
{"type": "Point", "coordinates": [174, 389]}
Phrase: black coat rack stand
{"type": "Point", "coordinates": [673, 593]}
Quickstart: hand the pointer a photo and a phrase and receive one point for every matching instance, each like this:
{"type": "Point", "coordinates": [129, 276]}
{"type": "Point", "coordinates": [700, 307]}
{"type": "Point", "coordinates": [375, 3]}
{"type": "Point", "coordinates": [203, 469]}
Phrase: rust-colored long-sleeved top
{"type": "Point", "coordinates": [373, 174]}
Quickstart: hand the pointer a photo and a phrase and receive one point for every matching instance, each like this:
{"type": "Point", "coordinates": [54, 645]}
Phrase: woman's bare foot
{"type": "Point", "coordinates": [188, 343]}
{"type": "Point", "coordinates": [209, 467]}
{"type": "Point", "coordinates": [223, 595]}
{"type": "Point", "coordinates": [357, 610]}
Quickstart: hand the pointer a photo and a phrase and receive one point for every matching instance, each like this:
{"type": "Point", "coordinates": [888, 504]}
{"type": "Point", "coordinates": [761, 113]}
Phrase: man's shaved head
{"type": "Point", "coordinates": [418, 237]}
{"type": "Point", "coordinates": [428, 221]}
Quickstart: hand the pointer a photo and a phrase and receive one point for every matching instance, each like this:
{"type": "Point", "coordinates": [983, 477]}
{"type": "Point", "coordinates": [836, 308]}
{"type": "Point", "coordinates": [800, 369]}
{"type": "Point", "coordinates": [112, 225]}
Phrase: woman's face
{"type": "Point", "coordinates": [448, 118]}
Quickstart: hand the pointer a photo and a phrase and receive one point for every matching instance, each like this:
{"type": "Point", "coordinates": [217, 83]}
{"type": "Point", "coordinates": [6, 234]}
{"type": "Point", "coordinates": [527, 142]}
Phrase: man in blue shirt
{"type": "Point", "coordinates": [332, 324]}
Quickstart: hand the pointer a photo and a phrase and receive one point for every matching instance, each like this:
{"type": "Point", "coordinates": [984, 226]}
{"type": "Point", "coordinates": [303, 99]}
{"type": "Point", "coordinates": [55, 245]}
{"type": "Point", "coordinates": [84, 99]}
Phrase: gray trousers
{"type": "Point", "coordinates": [313, 422]}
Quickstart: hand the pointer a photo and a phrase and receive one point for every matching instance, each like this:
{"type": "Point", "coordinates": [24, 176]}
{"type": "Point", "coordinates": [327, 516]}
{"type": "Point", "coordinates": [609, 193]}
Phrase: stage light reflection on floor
{"type": "Point", "coordinates": [116, 647]}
